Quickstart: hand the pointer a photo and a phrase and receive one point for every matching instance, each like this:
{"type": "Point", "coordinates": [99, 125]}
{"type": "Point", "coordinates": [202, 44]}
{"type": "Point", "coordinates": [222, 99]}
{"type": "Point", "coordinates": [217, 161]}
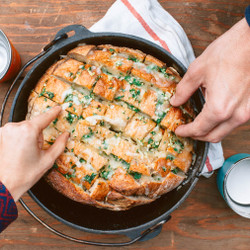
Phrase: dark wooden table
{"type": "Point", "coordinates": [203, 221]}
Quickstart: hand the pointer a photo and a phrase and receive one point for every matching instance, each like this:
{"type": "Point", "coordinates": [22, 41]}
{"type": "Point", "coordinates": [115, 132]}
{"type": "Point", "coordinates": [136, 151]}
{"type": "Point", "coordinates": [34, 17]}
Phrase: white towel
{"type": "Point", "coordinates": [147, 19]}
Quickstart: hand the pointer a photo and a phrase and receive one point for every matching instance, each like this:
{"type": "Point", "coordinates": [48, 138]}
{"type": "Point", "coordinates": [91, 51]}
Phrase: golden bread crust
{"type": "Point", "coordinates": [122, 151]}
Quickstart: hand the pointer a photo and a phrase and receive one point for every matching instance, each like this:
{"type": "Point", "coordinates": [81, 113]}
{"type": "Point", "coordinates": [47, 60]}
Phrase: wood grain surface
{"type": "Point", "coordinates": [203, 221]}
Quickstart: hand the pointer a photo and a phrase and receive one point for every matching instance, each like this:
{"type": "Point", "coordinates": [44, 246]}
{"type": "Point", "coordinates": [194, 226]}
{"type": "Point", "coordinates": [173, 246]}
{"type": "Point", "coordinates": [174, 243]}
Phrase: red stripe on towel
{"type": "Point", "coordinates": [208, 164]}
{"type": "Point", "coordinates": [145, 25]}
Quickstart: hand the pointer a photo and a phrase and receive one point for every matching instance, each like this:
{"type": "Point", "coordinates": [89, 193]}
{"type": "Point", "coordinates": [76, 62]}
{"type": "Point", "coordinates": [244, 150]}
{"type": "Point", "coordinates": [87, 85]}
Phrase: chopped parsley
{"type": "Point", "coordinates": [133, 108]}
{"type": "Point", "coordinates": [136, 82]}
{"type": "Point", "coordinates": [170, 157]}
{"type": "Point", "coordinates": [127, 78]}
{"type": "Point", "coordinates": [89, 178]}
{"type": "Point", "coordinates": [163, 71]}
{"type": "Point", "coordinates": [119, 63]}
{"type": "Point", "coordinates": [153, 133]}
{"type": "Point", "coordinates": [97, 78]}
{"type": "Point", "coordinates": [68, 175]}
{"type": "Point", "coordinates": [136, 175]}
{"type": "Point", "coordinates": [82, 160]}
{"type": "Point", "coordinates": [152, 67]}
{"type": "Point", "coordinates": [164, 169]}
{"type": "Point", "coordinates": [50, 94]}
{"type": "Point", "coordinates": [55, 166]}
{"type": "Point", "coordinates": [135, 93]}
{"type": "Point", "coordinates": [119, 97]}
{"type": "Point", "coordinates": [70, 118]}
{"type": "Point", "coordinates": [111, 50]}
{"type": "Point", "coordinates": [132, 58]}
{"type": "Point", "coordinates": [89, 134]}
{"type": "Point", "coordinates": [69, 98]}
{"type": "Point", "coordinates": [105, 145]}
{"type": "Point", "coordinates": [161, 116]}
{"type": "Point", "coordinates": [55, 121]}
{"type": "Point", "coordinates": [153, 144]}
{"type": "Point", "coordinates": [150, 140]}
{"type": "Point", "coordinates": [42, 92]}
{"type": "Point", "coordinates": [127, 165]}
{"type": "Point", "coordinates": [175, 171]}
{"type": "Point", "coordinates": [102, 123]}
{"type": "Point", "coordinates": [104, 70]}
{"type": "Point", "coordinates": [105, 172]}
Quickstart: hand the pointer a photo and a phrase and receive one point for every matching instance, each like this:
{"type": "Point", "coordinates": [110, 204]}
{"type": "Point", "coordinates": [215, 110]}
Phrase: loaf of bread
{"type": "Point", "coordinates": [123, 150]}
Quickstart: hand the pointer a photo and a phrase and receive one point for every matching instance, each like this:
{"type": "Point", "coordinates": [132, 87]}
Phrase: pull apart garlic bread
{"type": "Point", "coordinates": [122, 151]}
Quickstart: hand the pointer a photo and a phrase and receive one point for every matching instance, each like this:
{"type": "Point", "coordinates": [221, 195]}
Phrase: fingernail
{"type": "Point", "coordinates": [172, 100]}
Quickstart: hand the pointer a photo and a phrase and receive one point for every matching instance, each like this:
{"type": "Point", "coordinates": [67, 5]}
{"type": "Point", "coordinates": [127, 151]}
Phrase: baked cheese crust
{"type": "Point", "coordinates": [123, 150]}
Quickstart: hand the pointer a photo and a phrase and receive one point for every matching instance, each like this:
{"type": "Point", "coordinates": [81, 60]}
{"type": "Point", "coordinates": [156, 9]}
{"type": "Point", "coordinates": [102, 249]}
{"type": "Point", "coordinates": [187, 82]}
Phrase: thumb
{"type": "Point", "coordinates": [187, 86]}
{"type": "Point", "coordinates": [56, 149]}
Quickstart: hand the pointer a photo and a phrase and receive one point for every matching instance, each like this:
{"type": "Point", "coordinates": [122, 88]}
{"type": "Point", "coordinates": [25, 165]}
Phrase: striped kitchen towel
{"type": "Point", "coordinates": [147, 19]}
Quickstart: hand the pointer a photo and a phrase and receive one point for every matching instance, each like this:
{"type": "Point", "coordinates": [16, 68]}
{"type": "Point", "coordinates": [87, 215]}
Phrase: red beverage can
{"type": "Point", "coordinates": [10, 61]}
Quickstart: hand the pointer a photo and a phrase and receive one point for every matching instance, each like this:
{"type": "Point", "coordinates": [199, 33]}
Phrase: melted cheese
{"type": "Point", "coordinates": [66, 93]}
{"type": "Point", "coordinates": [95, 118]}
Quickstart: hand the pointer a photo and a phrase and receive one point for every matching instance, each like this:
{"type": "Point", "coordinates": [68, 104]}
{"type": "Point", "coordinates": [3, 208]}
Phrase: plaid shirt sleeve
{"type": "Point", "coordinates": [8, 209]}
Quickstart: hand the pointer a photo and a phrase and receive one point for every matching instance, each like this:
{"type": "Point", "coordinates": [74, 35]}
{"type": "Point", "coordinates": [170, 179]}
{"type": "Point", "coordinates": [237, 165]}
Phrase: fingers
{"type": "Point", "coordinates": [42, 121]}
{"type": "Point", "coordinates": [219, 132]}
{"type": "Point", "coordinates": [56, 149]}
{"type": "Point", "coordinates": [202, 124]}
{"type": "Point", "coordinates": [188, 85]}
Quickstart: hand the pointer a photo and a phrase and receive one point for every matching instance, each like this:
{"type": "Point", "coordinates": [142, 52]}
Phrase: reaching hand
{"type": "Point", "coordinates": [223, 70]}
{"type": "Point", "coordinates": [22, 159]}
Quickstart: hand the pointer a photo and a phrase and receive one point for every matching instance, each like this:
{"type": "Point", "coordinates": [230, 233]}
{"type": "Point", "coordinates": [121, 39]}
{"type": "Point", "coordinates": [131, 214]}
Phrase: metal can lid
{"type": "Point", "coordinates": [238, 182]}
{"type": "Point", "coordinates": [237, 187]}
{"type": "Point", "coordinates": [5, 54]}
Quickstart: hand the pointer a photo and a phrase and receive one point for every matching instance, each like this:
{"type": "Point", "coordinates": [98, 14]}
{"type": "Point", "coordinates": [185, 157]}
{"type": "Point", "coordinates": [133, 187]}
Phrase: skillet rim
{"type": "Point", "coordinates": [87, 35]}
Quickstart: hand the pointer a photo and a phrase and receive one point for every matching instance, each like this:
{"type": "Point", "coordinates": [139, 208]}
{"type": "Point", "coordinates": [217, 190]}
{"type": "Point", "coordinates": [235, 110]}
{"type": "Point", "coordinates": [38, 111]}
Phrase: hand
{"type": "Point", "coordinates": [223, 71]}
{"type": "Point", "coordinates": [22, 160]}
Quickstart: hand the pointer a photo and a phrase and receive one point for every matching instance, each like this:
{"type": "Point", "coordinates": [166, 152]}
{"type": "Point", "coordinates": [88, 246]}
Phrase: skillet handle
{"type": "Point", "coordinates": [65, 236]}
{"type": "Point", "coordinates": [78, 30]}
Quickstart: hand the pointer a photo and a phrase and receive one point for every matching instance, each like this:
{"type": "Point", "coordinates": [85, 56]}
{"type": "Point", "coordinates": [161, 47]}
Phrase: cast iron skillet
{"type": "Point", "coordinates": [139, 221]}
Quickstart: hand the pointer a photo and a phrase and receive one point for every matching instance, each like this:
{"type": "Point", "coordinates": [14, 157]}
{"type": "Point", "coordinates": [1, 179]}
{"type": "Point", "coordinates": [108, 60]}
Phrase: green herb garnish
{"type": "Point", "coordinates": [82, 160]}
{"type": "Point", "coordinates": [55, 121]}
{"type": "Point", "coordinates": [175, 171]}
{"type": "Point", "coordinates": [89, 178]}
{"type": "Point", "coordinates": [136, 175]}
{"type": "Point", "coordinates": [119, 97]}
{"type": "Point", "coordinates": [88, 135]}
{"type": "Point", "coordinates": [70, 118]}
{"type": "Point", "coordinates": [105, 172]}
{"type": "Point", "coordinates": [50, 94]}
{"type": "Point", "coordinates": [69, 98]}
{"type": "Point", "coordinates": [55, 166]}
{"type": "Point", "coordinates": [132, 58]}
{"type": "Point", "coordinates": [170, 157]}
{"type": "Point", "coordinates": [42, 92]}
{"type": "Point", "coordinates": [135, 93]}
